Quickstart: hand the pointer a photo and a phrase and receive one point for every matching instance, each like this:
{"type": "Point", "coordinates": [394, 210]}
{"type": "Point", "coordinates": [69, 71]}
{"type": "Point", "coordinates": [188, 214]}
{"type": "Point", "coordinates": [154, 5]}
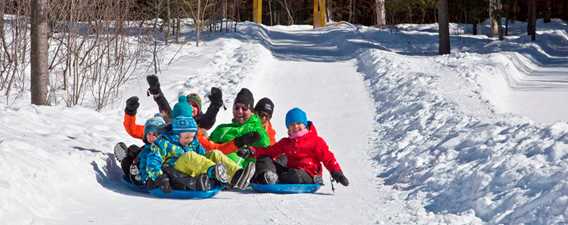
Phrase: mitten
{"type": "Point", "coordinates": [154, 84]}
{"type": "Point", "coordinates": [131, 105]}
{"type": "Point", "coordinates": [216, 97]}
{"type": "Point", "coordinates": [247, 139]}
{"type": "Point", "coordinates": [340, 178]}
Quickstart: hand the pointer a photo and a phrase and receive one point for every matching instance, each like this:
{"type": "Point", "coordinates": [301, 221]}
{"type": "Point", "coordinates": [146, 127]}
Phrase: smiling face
{"type": "Point", "coordinates": [241, 113]}
{"type": "Point", "coordinates": [296, 127]}
{"type": "Point", "coordinates": [151, 137]}
{"type": "Point", "coordinates": [186, 137]}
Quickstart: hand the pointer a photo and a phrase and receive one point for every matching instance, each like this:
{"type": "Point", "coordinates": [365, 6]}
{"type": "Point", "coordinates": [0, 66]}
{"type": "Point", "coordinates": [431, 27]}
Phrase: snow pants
{"type": "Point", "coordinates": [193, 164]}
{"type": "Point", "coordinates": [285, 175]}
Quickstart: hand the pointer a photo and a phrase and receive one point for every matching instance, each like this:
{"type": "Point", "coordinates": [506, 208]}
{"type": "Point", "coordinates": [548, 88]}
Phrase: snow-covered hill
{"type": "Point", "coordinates": [424, 139]}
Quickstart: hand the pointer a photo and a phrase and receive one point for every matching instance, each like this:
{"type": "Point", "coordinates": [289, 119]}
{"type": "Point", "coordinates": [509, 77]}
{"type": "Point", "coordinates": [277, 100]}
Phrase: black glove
{"type": "Point", "coordinates": [154, 84]}
{"type": "Point", "coordinates": [131, 105]}
{"type": "Point", "coordinates": [245, 152]}
{"type": "Point", "coordinates": [216, 97]}
{"type": "Point", "coordinates": [163, 182]}
{"type": "Point", "coordinates": [340, 178]}
{"type": "Point", "coordinates": [247, 139]}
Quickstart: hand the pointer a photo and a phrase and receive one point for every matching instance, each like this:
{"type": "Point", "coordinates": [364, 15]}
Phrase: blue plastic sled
{"type": "Point", "coordinates": [286, 188]}
{"type": "Point", "coordinates": [175, 194]}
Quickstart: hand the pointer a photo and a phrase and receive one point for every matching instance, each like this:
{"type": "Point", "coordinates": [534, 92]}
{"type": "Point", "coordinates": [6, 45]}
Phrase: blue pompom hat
{"type": "Point", "coordinates": [296, 115]}
{"type": "Point", "coordinates": [154, 124]}
{"type": "Point", "coordinates": [182, 119]}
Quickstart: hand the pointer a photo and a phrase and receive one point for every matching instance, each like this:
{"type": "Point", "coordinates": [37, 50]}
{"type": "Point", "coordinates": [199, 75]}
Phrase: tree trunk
{"type": "Point", "coordinates": [2, 8]}
{"type": "Point", "coordinates": [507, 27]}
{"type": "Point", "coordinates": [351, 11]}
{"type": "Point", "coordinates": [329, 10]}
{"type": "Point", "coordinates": [380, 11]}
{"type": "Point", "coordinates": [474, 28]}
{"type": "Point", "coordinates": [39, 52]}
{"type": "Point", "coordinates": [532, 19]}
{"type": "Point", "coordinates": [198, 23]}
{"type": "Point", "coordinates": [168, 21]}
{"type": "Point", "coordinates": [493, 18]}
{"type": "Point", "coordinates": [548, 12]}
{"type": "Point", "coordinates": [499, 17]}
{"type": "Point", "coordinates": [270, 12]}
{"type": "Point", "coordinates": [444, 27]}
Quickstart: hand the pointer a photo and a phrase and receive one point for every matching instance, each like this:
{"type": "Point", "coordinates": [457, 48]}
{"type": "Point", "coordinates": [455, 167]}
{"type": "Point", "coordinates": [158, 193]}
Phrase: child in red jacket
{"type": "Point", "coordinates": [298, 157]}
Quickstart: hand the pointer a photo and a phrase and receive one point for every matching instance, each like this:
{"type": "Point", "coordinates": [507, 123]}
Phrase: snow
{"type": "Point", "coordinates": [477, 136]}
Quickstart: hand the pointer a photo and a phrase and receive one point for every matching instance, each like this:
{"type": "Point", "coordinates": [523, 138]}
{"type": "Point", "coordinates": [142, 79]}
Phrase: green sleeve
{"type": "Point", "coordinates": [228, 132]}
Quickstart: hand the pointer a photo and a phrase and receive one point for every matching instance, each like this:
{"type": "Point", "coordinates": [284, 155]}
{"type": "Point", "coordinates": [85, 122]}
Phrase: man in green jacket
{"type": "Point", "coordinates": [246, 128]}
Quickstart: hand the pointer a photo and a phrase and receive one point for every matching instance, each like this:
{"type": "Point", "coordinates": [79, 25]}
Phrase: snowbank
{"type": "Point", "coordinates": [507, 170]}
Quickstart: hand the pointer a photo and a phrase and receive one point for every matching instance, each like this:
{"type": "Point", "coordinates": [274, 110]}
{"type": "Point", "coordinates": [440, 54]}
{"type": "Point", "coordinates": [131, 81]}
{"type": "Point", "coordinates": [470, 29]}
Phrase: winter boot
{"type": "Point", "coordinates": [132, 151]}
{"type": "Point", "coordinates": [242, 177]}
{"type": "Point", "coordinates": [218, 172]}
{"type": "Point", "coordinates": [204, 183]}
{"type": "Point", "coordinates": [120, 151]}
{"type": "Point", "coordinates": [135, 174]}
{"type": "Point", "coordinates": [268, 177]}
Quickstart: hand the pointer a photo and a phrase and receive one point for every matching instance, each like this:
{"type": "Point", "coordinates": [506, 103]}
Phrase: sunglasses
{"type": "Point", "coordinates": [263, 114]}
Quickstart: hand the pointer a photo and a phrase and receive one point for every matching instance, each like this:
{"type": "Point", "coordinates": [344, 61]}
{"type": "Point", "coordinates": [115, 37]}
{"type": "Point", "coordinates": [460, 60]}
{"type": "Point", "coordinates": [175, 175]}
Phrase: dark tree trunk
{"type": "Point", "coordinates": [548, 11]}
{"type": "Point", "coordinates": [474, 28]}
{"type": "Point", "coordinates": [444, 27]}
{"type": "Point", "coordinates": [532, 19]}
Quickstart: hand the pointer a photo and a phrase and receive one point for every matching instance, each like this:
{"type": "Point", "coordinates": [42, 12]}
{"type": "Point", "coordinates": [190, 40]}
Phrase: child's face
{"type": "Point", "coordinates": [186, 137]}
{"type": "Point", "coordinates": [151, 137]}
{"type": "Point", "coordinates": [241, 113]}
{"type": "Point", "coordinates": [296, 127]}
{"type": "Point", "coordinates": [264, 116]}
{"type": "Point", "coordinates": [194, 110]}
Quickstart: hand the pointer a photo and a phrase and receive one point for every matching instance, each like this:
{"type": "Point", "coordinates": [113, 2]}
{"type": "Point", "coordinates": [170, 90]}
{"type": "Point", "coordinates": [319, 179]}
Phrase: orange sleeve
{"type": "Point", "coordinates": [209, 145]}
{"type": "Point", "coordinates": [135, 130]}
{"type": "Point", "coordinates": [271, 133]}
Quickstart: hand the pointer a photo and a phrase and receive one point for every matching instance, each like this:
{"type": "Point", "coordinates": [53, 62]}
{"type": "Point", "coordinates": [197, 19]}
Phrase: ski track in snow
{"type": "Point", "coordinates": [428, 126]}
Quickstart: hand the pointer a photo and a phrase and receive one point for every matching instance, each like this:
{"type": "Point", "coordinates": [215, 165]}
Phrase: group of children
{"type": "Point", "coordinates": [179, 154]}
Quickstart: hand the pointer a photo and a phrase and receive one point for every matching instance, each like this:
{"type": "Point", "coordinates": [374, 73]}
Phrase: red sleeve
{"type": "Point", "coordinates": [272, 151]}
{"type": "Point", "coordinates": [326, 157]}
{"type": "Point", "coordinates": [135, 130]}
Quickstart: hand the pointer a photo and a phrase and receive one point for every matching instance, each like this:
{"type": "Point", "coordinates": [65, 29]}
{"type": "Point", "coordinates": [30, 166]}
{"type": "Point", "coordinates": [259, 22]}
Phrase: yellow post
{"type": "Point", "coordinates": [319, 13]}
{"type": "Point", "coordinates": [323, 12]}
{"type": "Point", "coordinates": [257, 11]}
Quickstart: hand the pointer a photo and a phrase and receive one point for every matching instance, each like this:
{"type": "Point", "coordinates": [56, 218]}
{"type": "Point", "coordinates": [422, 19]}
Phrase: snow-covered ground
{"type": "Point", "coordinates": [466, 138]}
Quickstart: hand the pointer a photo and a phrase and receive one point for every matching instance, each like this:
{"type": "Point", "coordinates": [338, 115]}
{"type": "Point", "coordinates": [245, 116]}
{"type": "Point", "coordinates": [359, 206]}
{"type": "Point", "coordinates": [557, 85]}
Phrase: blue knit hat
{"type": "Point", "coordinates": [296, 115]}
{"type": "Point", "coordinates": [154, 124]}
{"type": "Point", "coordinates": [182, 120]}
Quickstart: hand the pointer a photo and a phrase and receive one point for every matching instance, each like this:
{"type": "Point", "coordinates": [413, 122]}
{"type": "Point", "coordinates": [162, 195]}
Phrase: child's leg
{"type": "Point", "coordinates": [295, 176]}
{"type": "Point", "coordinates": [217, 156]}
{"type": "Point", "coordinates": [265, 171]}
{"type": "Point", "coordinates": [193, 164]}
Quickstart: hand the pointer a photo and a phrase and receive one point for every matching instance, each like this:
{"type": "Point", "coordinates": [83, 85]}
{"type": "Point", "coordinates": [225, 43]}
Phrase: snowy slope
{"type": "Point", "coordinates": [422, 138]}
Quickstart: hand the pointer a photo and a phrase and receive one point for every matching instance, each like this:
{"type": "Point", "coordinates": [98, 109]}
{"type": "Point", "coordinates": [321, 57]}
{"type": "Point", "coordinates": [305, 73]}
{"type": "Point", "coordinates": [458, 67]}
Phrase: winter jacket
{"type": "Point", "coordinates": [135, 130]}
{"type": "Point", "coordinates": [165, 151]}
{"type": "Point", "coordinates": [306, 152]}
{"type": "Point", "coordinates": [225, 148]}
{"type": "Point", "coordinates": [271, 132]}
{"type": "Point", "coordinates": [227, 132]}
